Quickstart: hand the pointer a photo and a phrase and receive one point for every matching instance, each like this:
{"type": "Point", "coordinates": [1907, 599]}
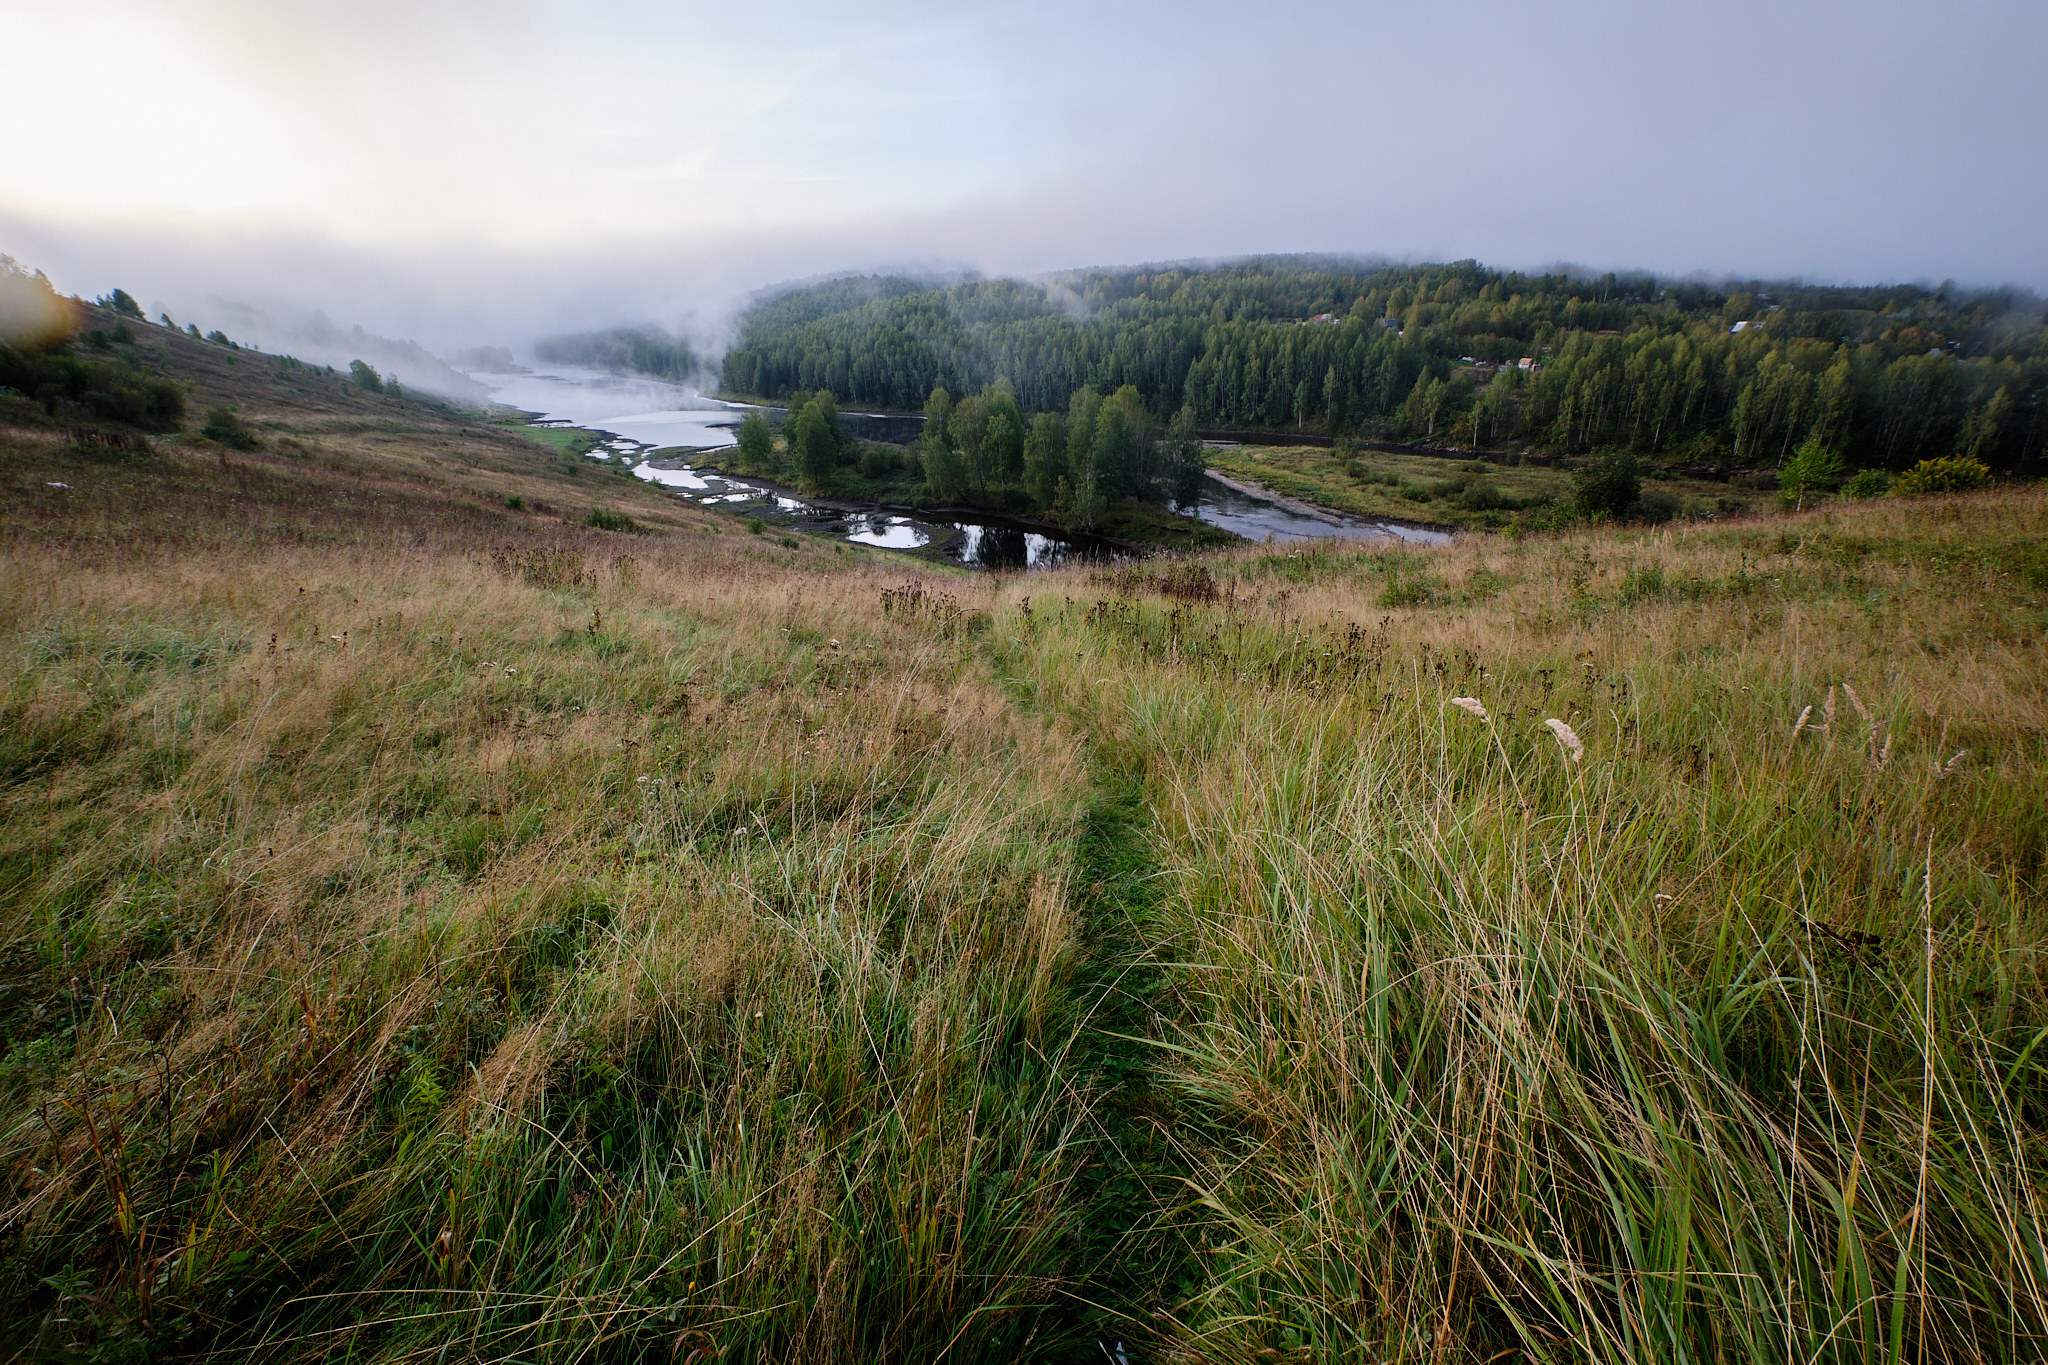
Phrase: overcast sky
{"type": "Point", "coordinates": [467, 171]}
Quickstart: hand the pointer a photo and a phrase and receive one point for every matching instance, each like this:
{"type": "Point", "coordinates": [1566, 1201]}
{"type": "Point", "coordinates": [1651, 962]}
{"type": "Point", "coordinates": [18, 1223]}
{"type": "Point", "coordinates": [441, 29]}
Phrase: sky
{"type": "Point", "coordinates": [467, 172]}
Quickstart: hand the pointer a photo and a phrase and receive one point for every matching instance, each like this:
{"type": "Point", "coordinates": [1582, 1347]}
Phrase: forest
{"type": "Point", "coordinates": [1453, 355]}
{"type": "Point", "coordinates": [642, 350]}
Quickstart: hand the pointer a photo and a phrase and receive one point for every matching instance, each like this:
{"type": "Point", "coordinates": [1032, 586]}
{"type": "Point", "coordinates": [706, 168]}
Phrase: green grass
{"type": "Point", "coordinates": [1482, 493]}
{"type": "Point", "coordinates": [437, 931]}
{"type": "Point", "coordinates": [562, 440]}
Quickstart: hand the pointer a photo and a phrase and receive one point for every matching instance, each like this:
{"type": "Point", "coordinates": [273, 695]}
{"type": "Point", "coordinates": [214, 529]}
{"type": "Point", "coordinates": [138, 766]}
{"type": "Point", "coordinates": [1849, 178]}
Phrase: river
{"type": "Point", "coordinates": [640, 415]}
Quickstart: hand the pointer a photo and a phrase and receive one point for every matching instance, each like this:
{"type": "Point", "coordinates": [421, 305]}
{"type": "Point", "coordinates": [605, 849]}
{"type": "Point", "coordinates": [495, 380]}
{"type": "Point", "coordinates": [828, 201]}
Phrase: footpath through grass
{"type": "Point", "coordinates": [435, 932]}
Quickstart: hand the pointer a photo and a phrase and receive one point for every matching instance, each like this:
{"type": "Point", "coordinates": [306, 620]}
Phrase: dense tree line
{"type": "Point", "coordinates": [636, 350]}
{"type": "Point", "coordinates": [1723, 373]}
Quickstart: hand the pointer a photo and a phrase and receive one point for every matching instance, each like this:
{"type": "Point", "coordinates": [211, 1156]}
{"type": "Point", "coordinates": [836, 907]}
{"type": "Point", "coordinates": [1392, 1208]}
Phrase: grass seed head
{"type": "Point", "coordinates": [1856, 702]}
{"type": "Point", "coordinates": [1469, 704]}
{"type": "Point", "coordinates": [1567, 739]}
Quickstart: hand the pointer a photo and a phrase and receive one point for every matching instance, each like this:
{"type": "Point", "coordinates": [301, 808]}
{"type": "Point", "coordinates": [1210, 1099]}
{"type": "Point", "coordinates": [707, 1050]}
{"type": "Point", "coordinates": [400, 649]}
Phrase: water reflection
{"type": "Point", "coordinates": [1006, 547]}
{"type": "Point", "coordinates": [889, 533]}
{"type": "Point", "coordinates": [650, 412]}
{"type": "Point", "coordinates": [1257, 518]}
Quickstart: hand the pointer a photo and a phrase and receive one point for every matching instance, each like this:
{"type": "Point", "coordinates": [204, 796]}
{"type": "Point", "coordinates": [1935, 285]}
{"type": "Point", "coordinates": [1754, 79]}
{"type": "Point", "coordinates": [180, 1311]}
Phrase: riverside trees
{"type": "Point", "coordinates": [1071, 466]}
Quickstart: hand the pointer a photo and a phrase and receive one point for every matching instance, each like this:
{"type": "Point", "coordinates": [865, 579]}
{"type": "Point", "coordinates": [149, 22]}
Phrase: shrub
{"type": "Point", "coordinates": [755, 526]}
{"type": "Point", "coordinates": [142, 400]}
{"type": "Point", "coordinates": [226, 426]}
{"type": "Point", "coordinates": [515, 502]}
{"type": "Point", "coordinates": [1947, 474]}
{"type": "Point", "coordinates": [1480, 496]}
{"type": "Point", "coordinates": [1813, 469]}
{"type": "Point", "coordinates": [365, 377]}
{"type": "Point", "coordinates": [606, 520]}
{"type": "Point", "coordinates": [1868, 483]}
{"type": "Point", "coordinates": [877, 461]}
{"type": "Point", "coordinates": [1607, 486]}
{"type": "Point", "coordinates": [1657, 507]}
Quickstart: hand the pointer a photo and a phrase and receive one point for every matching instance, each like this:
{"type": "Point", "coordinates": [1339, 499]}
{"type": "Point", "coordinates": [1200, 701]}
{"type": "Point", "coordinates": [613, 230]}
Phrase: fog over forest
{"type": "Point", "coordinates": [630, 163]}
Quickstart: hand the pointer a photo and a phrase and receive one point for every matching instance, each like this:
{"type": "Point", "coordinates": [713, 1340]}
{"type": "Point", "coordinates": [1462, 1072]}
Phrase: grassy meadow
{"type": "Point", "coordinates": [1484, 492]}
{"type": "Point", "coordinates": [440, 931]}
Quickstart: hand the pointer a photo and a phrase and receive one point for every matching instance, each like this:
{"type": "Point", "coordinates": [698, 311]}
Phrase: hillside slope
{"type": "Point", "coordinates": [437, 931]}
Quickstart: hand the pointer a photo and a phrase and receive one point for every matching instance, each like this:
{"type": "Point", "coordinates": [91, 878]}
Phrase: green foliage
{"type": "Point", "coordinates": [122, 302]}
{"type": "Point", "coordinates": [122, 333]}
{"type": "Point", "coordinates": [365, 376]}
{"type": "Point", "coordinates": [814, 440]}
{"type": "Point", "coordinates": [1946, 474]}
{"type": "Point", "coordinates": [1813, 469]}
{"type": "Point", "coordinates": [878, 461]}
{"type": "Point", "coordinates": [1645, 363]}
{"type": "Point", "coordinates": [226, 426]}
{"type": "Point", "coordinates": [604, 519]}
{"type": "Point", "coordinates": [220, 338]}
{"type": "Point", "coordinates": [756, 525]}
{"type": "Point", "coordinates": [515, 502]}
{"type": "Point", "coordinates": [1868, 483]}
{"type": "Point", "coordinates": [112, 390]}
{"type": "Point", "coordinates": [1607, 486]}
{"type": "Point", "coordinates": [947, 473]}
{"type": "Point", "coordinates": [756, 440]}
{"type": "Point", "coordinates": [1182, 467]}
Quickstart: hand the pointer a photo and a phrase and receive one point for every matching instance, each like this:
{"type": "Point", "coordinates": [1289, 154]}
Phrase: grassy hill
{"type": "Point", "coordinates": [435, 930]}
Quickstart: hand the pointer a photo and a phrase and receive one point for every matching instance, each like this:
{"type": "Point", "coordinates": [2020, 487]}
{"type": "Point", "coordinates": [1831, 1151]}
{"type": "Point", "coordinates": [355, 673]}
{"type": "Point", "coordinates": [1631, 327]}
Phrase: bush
{"type": "Point", "coordinates": [1868, 483]}
{"type": "Point", "coordinates": [755, 526]}
{"type": "Point", "coordinates": [877, 461]}
{"type": "Point", "coordinates": [1607, 486]}
{"type": "Point", "coordinates": [226, 426]}
{"type": "Point", "coordinates": [1947, 474]}
{"type": "Point", "coordinates": [515, 502]}
{"type": "Point", "coordinates": [1480, 496]}
{"type": "Point", "coordinates": [1812, 470]}
{"type": "Point", "coordinates": [365, 377]}
{"type": "Point", "coordinates": [606, 520]}
{"type": "Point", "coordinates": [1658, 507]}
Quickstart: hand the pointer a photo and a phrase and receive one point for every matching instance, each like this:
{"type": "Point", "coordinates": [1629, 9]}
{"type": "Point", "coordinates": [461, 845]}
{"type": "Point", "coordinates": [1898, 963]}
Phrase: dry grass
{"type": "Point", "coordinates": [1701, 1047]}
{"type": "Point", "coordinates": [437, 932]}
